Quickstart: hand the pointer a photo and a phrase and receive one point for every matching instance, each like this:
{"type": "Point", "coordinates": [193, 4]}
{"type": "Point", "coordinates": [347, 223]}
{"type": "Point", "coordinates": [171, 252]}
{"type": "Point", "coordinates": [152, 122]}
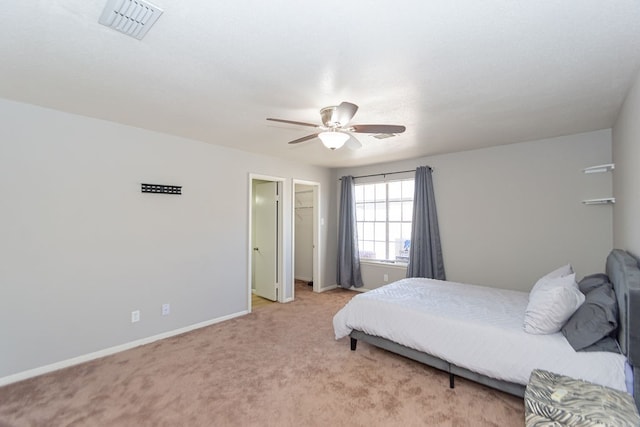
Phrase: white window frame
{"type": "Point", "coordinates": [368, 234]}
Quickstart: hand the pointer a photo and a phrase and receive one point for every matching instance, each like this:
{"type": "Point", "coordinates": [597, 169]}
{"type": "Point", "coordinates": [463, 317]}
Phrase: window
{"type": "Point", "coordinates": [383, 217]}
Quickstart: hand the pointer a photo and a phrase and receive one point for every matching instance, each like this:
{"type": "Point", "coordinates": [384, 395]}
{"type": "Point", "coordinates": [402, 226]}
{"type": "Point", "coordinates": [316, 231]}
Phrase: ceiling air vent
{"type": "Point", "coordinates": [131, 17]}
{"type": "Point", "coordinates": [384, 135]}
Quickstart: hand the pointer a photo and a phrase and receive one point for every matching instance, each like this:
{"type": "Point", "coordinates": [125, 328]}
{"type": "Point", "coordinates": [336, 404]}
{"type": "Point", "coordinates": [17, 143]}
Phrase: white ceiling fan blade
{"type": "Point", "coordinates": [378, 128]}
{"type": "Point", "coordinates": [303, 139]}
{"type": "Point", "coordinates": [345, 112]}
{"type": "Point", "coordinates": [293, 122]}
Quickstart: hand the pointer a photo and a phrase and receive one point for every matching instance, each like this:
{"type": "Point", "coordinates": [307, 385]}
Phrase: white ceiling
{"type": "Point", "coordinates": [458, 74]}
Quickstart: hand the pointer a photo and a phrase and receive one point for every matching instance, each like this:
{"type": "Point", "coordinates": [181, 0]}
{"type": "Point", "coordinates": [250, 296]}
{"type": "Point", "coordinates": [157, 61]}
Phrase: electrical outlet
{"type": "Point", "coordinates": [166, 309]}
{"type": "Point", "coordinates": [135, 316]}
{"type": "Point", "coordinates": [386, 277]}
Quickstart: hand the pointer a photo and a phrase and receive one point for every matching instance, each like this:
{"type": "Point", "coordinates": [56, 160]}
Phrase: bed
{"type": "Point", "coordinates": [477, 332]}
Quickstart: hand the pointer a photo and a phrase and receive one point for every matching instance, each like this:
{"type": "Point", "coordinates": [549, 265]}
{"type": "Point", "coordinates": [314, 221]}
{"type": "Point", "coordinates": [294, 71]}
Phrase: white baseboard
{"type": "Point", "coordinates": [304, 279]}
{"type": "Point", "coordinates": [111, 350]}
{"type": "Point", "coordinates": [328, 288]}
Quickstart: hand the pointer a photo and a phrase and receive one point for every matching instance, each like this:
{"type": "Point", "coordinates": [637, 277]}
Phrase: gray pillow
{"type": "Point", "coordinates": [595, 319]}
{"type": "Point", "coordinates": [589, 283]}
{"type": "Point", "coordinates": [605, 344]}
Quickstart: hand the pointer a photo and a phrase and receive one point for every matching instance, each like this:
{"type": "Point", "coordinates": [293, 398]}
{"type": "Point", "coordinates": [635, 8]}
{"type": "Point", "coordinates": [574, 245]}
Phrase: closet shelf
{"type": "Point", "coordinates": [603, 201]}
{"type": "Point", "coordinates": [600, 168]}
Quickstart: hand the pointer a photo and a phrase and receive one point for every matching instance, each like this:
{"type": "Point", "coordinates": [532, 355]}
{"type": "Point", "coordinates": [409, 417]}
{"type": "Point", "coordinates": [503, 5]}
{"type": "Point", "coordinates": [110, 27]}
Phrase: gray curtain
{"type": "Point", "coordinates": [425, 254]}
{"type": "Point", "coordinates": [348, 256]}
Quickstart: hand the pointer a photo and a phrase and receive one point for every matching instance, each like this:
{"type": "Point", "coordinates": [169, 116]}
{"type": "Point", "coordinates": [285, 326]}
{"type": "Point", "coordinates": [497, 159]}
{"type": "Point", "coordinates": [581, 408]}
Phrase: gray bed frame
{"type": "Point", "coordinates": [624, 273]}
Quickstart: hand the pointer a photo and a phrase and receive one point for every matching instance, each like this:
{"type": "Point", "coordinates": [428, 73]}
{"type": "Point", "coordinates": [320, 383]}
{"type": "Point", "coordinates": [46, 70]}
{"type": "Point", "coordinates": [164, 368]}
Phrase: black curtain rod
{"type": "Point", "coordinates": [384, 174]}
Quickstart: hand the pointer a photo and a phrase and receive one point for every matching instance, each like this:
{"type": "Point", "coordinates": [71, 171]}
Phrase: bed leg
{"type": "Point", "coordinates": [354, 343]}
{"type": "Point", "coordinates": [451, 380]}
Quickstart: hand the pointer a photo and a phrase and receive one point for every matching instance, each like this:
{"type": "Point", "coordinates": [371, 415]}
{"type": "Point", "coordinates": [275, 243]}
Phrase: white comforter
{"type": "Point", "coordinates": [474, 327]}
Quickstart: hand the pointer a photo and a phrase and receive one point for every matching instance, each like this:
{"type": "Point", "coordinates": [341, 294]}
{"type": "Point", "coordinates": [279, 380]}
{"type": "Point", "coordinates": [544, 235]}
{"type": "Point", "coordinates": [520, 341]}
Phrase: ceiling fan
{"type": "Point", "coordinates": [335, 128]}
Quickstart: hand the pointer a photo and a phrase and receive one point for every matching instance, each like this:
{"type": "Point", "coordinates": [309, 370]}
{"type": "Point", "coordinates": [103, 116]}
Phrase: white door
{"type": "Point", "coordinates": [265, 243]}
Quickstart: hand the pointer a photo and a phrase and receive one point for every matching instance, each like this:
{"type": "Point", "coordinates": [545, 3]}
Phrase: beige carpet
{"type": "Point", "coordinates": [279, 366]}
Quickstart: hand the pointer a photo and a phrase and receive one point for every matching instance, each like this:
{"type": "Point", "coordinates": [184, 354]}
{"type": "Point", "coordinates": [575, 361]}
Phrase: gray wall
{"type": "Point", "coordinates": [510, 214]}
{"type": "Point", "coordinates": [375, 275]}
{"type": "Point", "coordinates": [626, 176]}
{"type": "Point", "coordinates": [82, 247]}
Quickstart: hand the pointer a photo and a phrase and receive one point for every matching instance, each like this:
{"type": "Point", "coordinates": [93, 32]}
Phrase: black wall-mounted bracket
{"type": "Point", "coordinates": [161, 189]}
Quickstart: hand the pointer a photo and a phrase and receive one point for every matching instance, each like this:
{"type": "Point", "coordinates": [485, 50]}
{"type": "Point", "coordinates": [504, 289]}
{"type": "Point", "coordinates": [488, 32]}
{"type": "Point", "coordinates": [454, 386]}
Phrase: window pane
{"type": "Point", "coordinates": [381, 211]}
{"type": "Point", "coordinates": [367, 250]}
{"type": "Point", "coordinates": [381, 249]}
{"type": "Point", "coordinates": [395, 211]}
{"type": "Point", "coordinates": [381, 231]}
{"type": "Point", "coordinates": [369, 192]}
{"type": "Point", "coordinates": [359, 212]}
{"type": "Point", "coordinates": [395, 190]}
{"type": "Point", "coordinates": [406, 231]}
{"type": "Point", "coordinates": [392, 249]}
{"type": "Point", "coordinates": [359, 193]}
{"type": "Point", "coordinates": [381, 191]}
{"type": "Point", "coordinates": [368, 246]}
{"type": "Point", "coordinates": [407, 189]}
{"type": "Point", "coordinates": [359, 229]}
{"type": "Point", "coordinates": [369, 212]}
{"type": "Point", "coordinates": [407, 211]}
{"type": "Point", "coordinates": [395, 231]}
{"type": "Point", "coordinates": [367, 231]}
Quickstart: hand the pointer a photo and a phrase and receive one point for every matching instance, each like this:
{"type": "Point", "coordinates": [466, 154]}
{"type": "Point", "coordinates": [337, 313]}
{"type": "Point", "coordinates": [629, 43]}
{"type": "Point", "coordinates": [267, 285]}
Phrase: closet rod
{"type": "Point", "coordinates": [385, 174]}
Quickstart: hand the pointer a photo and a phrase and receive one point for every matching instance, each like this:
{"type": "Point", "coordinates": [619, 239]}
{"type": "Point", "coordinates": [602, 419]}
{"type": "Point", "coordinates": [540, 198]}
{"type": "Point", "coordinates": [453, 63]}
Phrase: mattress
{"type": "Point", "coordinates": [474, 327]}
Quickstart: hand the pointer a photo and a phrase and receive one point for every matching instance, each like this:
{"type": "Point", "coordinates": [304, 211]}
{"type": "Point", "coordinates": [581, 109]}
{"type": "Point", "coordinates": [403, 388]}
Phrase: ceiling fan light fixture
{"type": "Point", "coordinates": [334, 130]}
{"type": "Point", "coordinates": [333, 140]}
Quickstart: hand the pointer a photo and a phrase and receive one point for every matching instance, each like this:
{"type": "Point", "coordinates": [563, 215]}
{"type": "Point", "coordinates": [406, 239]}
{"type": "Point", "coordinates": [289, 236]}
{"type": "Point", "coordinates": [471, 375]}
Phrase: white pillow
{"type": "Point", "coordinates": [563, 271]}
{"type": "Point", "coordinates": [551, 303]}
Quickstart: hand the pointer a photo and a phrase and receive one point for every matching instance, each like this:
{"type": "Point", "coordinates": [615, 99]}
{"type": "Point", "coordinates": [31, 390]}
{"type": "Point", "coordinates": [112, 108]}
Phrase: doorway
{"type": "Point", "coordinates": [306, 222]}
{"type": "Point", "coordinates": [265, 238]}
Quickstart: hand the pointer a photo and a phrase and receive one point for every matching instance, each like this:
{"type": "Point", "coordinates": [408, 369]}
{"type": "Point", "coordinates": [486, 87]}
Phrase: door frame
{"type": "Point", "coordinates": [280, 276]}
{"type": "Point", "coordinates": [316, 232]}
